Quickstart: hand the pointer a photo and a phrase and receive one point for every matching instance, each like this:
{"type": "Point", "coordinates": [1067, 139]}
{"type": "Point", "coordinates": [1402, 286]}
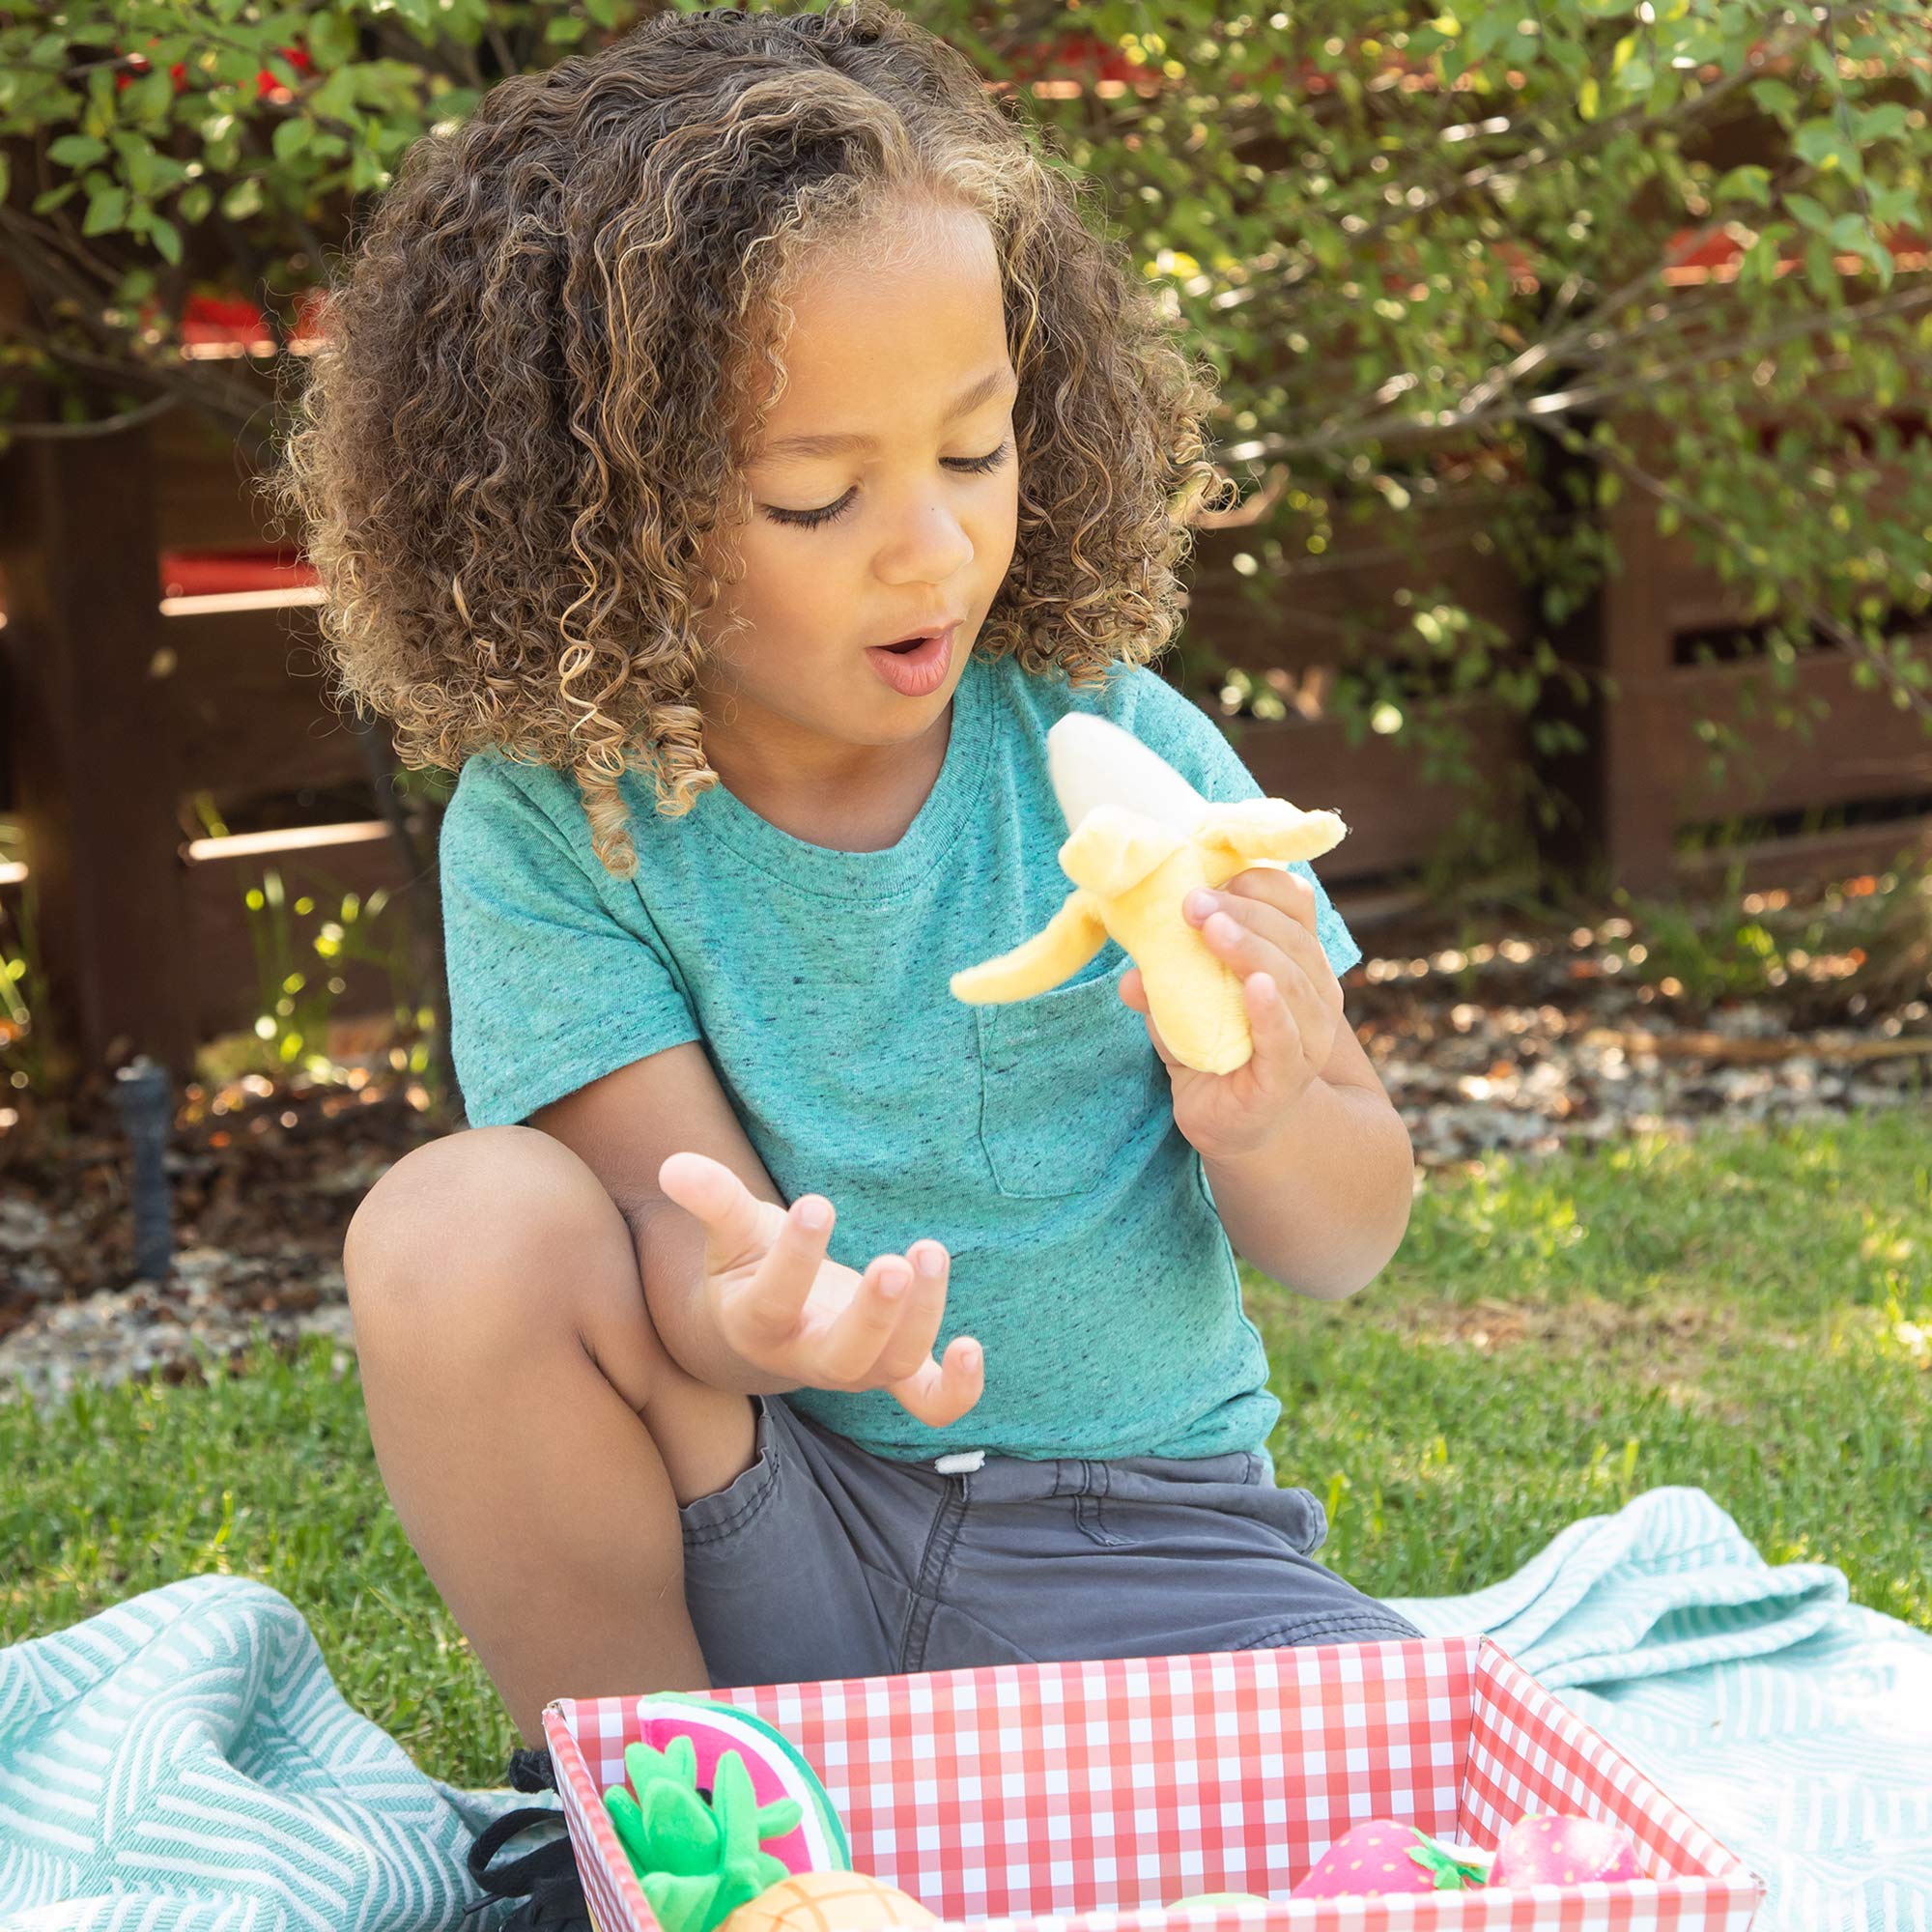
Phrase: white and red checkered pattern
{"type": "Point", "coordinates": [1085, 1797]}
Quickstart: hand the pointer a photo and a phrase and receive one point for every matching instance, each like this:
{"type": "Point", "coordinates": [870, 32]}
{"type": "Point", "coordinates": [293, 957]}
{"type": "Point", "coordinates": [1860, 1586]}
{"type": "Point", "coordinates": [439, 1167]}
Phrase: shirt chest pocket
{"type": "Point", "coordinates": [1067, 1079]}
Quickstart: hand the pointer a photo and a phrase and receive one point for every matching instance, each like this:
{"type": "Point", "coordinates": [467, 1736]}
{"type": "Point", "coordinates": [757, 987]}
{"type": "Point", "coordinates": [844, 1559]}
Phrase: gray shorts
{"type": "Point", "coordinates": [823, 1560]}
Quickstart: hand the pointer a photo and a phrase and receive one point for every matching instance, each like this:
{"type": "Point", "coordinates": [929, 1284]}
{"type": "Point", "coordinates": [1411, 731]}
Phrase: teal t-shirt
{"type": "Point", "coordinates": [1036, 1140]}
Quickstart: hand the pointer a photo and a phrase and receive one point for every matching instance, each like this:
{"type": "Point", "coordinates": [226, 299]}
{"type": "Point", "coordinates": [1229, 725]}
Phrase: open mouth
{"type": "Point", "coordinates": [918, 664]}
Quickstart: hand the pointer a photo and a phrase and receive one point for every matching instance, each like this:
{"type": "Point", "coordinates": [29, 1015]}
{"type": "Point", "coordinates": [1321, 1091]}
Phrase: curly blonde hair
{"type": "Point", "coordinates": [515, 437]}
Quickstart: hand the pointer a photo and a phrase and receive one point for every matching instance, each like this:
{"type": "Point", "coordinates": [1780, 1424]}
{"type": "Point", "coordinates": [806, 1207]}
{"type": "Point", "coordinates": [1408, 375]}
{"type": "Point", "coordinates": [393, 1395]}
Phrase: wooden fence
{"type": "Point", "coordinates": [122, 703]}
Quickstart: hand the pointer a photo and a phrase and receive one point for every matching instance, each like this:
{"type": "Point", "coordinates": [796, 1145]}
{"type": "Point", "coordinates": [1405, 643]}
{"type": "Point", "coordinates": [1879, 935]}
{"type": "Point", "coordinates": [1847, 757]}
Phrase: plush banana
{"type": "Point", "coordinates": [1142, 839]}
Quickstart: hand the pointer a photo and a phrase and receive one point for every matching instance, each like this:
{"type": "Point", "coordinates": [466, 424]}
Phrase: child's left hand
{"type": "Point", "coordinates": [1261, 926]}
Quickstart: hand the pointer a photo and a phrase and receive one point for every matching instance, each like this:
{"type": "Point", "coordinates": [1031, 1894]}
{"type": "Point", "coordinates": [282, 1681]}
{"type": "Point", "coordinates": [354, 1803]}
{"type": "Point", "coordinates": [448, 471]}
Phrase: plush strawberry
{"type": "Point", "coordinates": [1547, 1849]}
{"type": "Point", "coordinates": [1383, 1857]}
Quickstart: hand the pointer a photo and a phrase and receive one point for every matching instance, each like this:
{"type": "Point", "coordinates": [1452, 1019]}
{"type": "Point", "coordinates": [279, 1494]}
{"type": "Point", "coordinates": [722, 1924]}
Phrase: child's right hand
{"type": "Point", "coordinates": [786, 1307]}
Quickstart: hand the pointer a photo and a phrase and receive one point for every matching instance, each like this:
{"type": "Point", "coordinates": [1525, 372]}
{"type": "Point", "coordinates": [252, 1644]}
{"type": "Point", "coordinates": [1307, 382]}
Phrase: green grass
{"type": "Point", "coordinates": [1749, 1314]}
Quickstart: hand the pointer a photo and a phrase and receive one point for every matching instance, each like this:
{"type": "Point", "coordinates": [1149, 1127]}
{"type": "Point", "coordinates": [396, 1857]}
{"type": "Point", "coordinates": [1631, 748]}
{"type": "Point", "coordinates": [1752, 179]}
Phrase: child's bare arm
{"type": "Point", "coordinates": [623, 1126]}
{"type": "Point", "coordinates": [742, 1293]}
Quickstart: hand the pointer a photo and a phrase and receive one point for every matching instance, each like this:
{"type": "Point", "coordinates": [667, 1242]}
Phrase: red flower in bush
{"type": "Point", "coordinates": [265, 82]}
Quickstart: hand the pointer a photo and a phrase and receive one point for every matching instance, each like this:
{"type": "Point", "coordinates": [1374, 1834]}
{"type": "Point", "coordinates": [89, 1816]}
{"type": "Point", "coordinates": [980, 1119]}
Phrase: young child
{"type": "Point", "coordinates": [780, 1316]}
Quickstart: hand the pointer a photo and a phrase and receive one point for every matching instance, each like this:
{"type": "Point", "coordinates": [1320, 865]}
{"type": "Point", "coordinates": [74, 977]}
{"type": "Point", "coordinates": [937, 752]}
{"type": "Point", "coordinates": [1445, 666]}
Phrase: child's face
{"type": "Point", "coordinates": [884, 343]}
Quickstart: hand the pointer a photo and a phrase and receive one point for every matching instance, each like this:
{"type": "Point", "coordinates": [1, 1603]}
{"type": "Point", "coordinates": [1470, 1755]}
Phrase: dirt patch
{"type": "Point", "coordinates": [1666, 1346]}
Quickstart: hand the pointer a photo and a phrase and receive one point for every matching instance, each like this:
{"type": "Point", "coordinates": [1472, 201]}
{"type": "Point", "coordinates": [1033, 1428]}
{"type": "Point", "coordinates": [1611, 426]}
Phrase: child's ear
{"type": "Point", "coordinates": [1113, 849]}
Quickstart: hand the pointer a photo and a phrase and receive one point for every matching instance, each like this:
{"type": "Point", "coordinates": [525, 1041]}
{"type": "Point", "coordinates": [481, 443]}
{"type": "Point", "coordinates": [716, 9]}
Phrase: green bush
{"type": "Point", "coordinates": [1510, 260]}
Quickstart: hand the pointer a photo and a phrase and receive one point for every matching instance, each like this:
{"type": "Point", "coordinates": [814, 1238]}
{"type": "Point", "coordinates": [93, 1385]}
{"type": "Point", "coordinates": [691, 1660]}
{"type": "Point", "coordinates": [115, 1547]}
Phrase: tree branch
{"type": "Point", "coordinates": [36, 431]}
{"type": "Point", "coordinates": [1547, 408]}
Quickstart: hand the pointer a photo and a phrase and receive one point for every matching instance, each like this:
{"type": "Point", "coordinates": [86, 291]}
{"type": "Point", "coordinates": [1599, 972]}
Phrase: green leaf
{"type": "Point", "coordinates": [166, 238]}
{"type": "Point", "coordinates": [564, 28]}
{"type": "Point", "coordinates": [101, 97]}
{"type": "Point", "coordinates": [75, 151]}
{"type": "Point", "coordinates": [331, 40]}
{"type": "Point", "coordinates": [106, 211]}
{"type": "Point", "coordinates": [1759, 266]}
{"type": "Point", "coordinates": [1884, 123]}
{"type": "Point", "coordinates": [335, 98]}
{"type": "Point", "coordinates": [1815, 214]}
{"type": "Point", "coordinates": [195, 202]}
{"type": "Point", "coordinates": [1823, 144]}
{"type": "Point", "coordinates": [238, 66]}
{"type": "Point", "coordinates": [1776, 97]}
{"type": "Point", "coordinates": [1860, 240]}
{"type": "Point", "coordinates": [243, 200]}
{"type": "Point", "coordinates": [45, 204]}
{"type": "Point", "coordinates": [1749, 182]}
{"type": "Point", "coordinates": [290, 138]}
{"type": "Point", "coordinates": [1492, 26]}
{"type": "Point", "coordinates": [151, 97]}
{"type": "Point", "coordinates": [1848, 232]}
{"type": "Point", "coordinates": [137, 160]}
{"type": "Point", "coordinates": [1896, 203]}
{"type": "Point", "coordinates": [1820, 272]}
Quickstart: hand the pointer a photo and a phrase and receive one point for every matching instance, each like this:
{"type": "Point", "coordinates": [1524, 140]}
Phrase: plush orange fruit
{"type": "Point", "coordinates": [828, 1901]}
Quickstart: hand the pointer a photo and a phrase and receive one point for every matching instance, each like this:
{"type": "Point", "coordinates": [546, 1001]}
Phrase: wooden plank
{"type": "Point", "coordinates": [1841, 854]}
{"type": "Point", "coordinates": [1865, 748]}
{"type": "Point", "coordinates": [1396, 818]}
{"type": "Point", "coordinates": [1306, 616]}
{"type": "Point", "coordinates": [250, 703]}
{"type": "Point", "coordinates": [226, 992]}
{"type": "Point", "coordinates": [206, 493]}
{"type": "Point", "coordinates": [94, 774]}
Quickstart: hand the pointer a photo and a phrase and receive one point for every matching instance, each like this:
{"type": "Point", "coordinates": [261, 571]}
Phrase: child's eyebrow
{"type": "Point", "coordinates": [828, 443]}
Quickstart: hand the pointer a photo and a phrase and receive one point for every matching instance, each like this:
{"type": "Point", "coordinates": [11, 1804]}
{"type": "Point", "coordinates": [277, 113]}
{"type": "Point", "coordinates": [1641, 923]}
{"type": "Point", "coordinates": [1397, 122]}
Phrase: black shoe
{"type": "Point", "coordinates": [533, 1770]}
{"type": "Point", "coordinates": [545, 1878]}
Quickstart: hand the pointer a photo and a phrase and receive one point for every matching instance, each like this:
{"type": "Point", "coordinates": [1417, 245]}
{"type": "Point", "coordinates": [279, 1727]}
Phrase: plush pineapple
{"type": "Point", "coordinates": [834, 1901]}
{"type": "Point", "coordinates": [697, 1862]}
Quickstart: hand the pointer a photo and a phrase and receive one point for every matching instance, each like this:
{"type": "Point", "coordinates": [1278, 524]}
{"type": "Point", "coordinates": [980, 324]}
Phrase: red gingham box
{"type": "Point", "coordinates": [1085, 1797]}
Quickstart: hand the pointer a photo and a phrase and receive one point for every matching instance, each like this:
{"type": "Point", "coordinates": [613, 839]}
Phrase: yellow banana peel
{"type": "Point", "coordinates": [1132, 866]}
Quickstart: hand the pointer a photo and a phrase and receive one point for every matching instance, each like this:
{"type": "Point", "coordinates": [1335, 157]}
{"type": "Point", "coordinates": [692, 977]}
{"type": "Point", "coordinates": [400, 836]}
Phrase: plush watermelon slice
{"type": "Point", "coordinates": [778, 1768]}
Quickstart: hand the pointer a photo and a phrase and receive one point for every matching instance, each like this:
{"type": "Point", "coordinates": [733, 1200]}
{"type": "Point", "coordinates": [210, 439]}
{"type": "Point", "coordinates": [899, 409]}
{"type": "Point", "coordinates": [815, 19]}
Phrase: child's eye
{"type": "Point", "coordinates": [808, 520]}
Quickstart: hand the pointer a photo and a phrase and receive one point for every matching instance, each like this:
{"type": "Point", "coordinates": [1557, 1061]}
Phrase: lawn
{"type": "Point", "coordinates": [1750, 1313]}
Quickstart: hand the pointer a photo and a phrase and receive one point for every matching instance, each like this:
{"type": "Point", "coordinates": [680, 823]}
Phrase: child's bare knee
{"type": "Point", "coordinates": [488, 1211]}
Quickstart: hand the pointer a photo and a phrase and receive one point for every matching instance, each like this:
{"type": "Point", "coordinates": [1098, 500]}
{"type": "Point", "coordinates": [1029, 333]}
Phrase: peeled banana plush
{"type": "Point", "coordinates": [1142, 839]}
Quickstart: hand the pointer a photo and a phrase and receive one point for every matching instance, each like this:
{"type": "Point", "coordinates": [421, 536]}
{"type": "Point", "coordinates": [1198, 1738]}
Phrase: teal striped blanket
{"type": "Point", "coordinates": [184, 1762]}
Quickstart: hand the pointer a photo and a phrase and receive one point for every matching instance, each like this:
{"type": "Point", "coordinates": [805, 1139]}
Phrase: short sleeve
{"type": "Point", "coordinates": [1184, 734]}
{"type": "Point", "coordinates": [555, 973]}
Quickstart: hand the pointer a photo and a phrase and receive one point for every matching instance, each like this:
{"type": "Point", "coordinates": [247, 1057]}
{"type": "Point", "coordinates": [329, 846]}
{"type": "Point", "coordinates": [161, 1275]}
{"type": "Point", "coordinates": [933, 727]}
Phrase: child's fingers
{"type": "Point", "coordinates": [942, 1392]}
{"type": "Point", "coordinates": [1133, 993]}
{"type": "Point", "coordinates": [763, 1313]}
{"type": "Point", "coordinates": [910, 1343]}
{"type": "Point", "coordinates": [853, 1340]}
{"type": "Point", "coordinates": [737, 1223]}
